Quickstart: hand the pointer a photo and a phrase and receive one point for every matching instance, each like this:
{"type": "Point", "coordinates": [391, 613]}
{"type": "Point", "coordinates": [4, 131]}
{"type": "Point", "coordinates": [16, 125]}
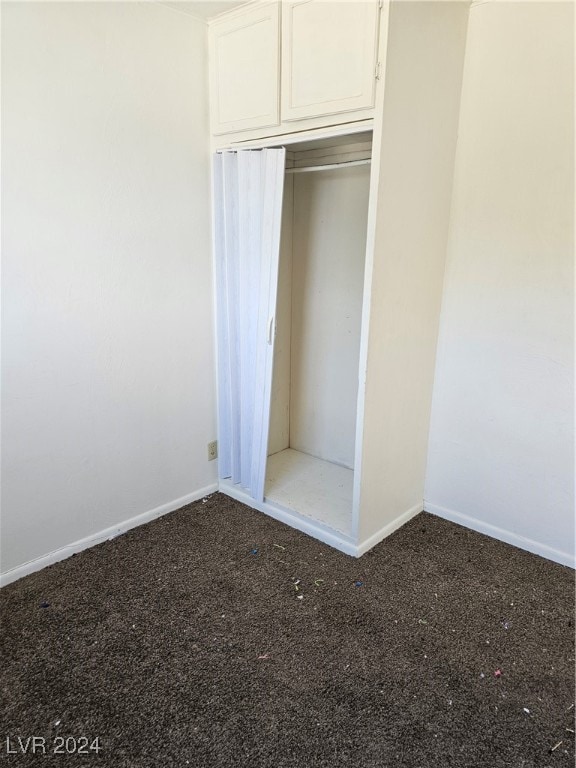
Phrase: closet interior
{"type": "Point", "coordinates": [312, 433]}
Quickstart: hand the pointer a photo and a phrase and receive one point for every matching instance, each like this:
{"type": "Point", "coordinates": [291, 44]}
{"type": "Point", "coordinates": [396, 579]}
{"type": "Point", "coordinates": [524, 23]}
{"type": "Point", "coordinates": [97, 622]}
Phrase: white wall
{"type": "Point", "coordinates": [108, 375]}
{"type": "Point", "coordinates": [501, 453]}
{"type": "Point", "coordinates": [412, 170]}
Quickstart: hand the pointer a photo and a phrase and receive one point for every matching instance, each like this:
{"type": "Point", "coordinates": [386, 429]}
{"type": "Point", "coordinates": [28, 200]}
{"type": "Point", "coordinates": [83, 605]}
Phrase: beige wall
{"type": "Point", "coordinates": [501, 455]}
{"type": "Point", "coordinates": [107, 345]}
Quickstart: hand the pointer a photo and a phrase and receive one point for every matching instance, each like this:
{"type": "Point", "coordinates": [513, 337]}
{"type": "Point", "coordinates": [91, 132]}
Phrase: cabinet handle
{"type": "Point", "coordinates": [270, 329]}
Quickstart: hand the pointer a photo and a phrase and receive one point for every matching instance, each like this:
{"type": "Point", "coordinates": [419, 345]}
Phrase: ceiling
{"type": "Point", "coordinates": [203, 9]}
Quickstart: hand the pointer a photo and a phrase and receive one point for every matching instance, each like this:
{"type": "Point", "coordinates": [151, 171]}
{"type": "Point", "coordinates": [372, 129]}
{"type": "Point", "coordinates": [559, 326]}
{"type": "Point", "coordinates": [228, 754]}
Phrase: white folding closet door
{"type": "Point", "coordinates": [248, 188]}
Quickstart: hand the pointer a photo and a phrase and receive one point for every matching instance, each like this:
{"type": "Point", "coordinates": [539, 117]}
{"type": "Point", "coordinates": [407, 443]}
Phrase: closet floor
{"type": "Point", "coordinates": [312, 487]}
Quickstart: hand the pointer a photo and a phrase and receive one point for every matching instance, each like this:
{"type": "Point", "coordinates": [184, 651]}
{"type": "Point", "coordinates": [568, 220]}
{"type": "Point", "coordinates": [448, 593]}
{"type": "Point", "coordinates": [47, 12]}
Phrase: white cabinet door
{"type": "Point", "coordinates": [245, 69]}
{"type": "Point", "coordinates": [329, 50]}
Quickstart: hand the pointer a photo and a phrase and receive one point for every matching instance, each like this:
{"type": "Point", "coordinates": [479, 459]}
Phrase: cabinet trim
{"type": "Point", "coordinates": [285, 139]}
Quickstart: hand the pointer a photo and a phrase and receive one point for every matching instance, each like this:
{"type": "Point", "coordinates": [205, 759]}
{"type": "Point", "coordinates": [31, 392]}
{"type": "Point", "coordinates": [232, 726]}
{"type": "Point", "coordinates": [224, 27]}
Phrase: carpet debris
{"type": "Point", "coordinates": [422, 621]}
{"type": "Point", "coordinates": [497, 673]}
{"type": "Point", "coordinates": [358, 583]}
{"type": "Point", "coordinates": [264, 656]}
{"type": "Point", "coordinates": [552, 749]}
{"type": "Point", "coordinates": [44, 604]}
{"type": "Point", "coordinates": [299, 597]}
{"type": "Point", "coordinates": [279, 546]}
{"type": "Point", "coordinates": [317, 582]}
{"type": "Point", "coordinates": [253, 551]}
{"type": "Point", "coordinates": [525, 709]}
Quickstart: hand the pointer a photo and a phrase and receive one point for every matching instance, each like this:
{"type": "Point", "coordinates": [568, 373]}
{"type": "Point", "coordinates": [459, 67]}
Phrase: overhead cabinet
{"type": "Point", "coordinates": [329, 57]}
{"type": "Point", "coordinates": [245, 69]}
{"type": "Point", "coordinates": [329, 256]}
{"type": "Point", "coordinates": [274, 63]}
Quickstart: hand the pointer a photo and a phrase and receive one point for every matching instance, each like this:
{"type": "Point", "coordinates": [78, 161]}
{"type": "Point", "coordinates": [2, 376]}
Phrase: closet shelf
{"type": "Point", "coordinates": [328, 167]}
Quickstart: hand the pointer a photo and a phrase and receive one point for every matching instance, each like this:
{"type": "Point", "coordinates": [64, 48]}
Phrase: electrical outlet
{"type": "Point", "coordinates": [213, 450]}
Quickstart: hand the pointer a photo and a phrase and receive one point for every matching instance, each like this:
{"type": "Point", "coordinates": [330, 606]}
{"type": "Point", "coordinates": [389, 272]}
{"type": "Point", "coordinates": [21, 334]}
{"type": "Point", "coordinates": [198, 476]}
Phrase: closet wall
{"type": "Point", "coordinates": [414, 149]}
{"type": "Point", "coordinates": [279, 435]}
{"type": "Point", "coordinates": [329, 245]}
{"type": "Point", "coordinates": [319, 313]}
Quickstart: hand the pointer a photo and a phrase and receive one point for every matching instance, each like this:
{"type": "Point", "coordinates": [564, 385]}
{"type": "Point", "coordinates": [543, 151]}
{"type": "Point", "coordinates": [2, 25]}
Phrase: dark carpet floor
{"type": "Point", "coordinates": [216, 636]}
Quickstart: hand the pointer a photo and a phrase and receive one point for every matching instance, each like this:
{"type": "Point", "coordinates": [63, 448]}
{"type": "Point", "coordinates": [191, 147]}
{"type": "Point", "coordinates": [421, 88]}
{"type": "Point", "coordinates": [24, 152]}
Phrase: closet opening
{"type": "Point", "coordinates": [311, 444]}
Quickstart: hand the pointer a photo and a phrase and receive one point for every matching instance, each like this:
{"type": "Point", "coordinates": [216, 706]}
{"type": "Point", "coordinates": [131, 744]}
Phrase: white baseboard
{"type": "Point", "coordinates": [509, 537]}
{"type": "Point", "coordinates": [97, 538]}
{"type": "Point", "coordinates": [302, 523]}
{"type": "Point", "coordinates": [317, 530]}
{"type": "Point", "coordinates": [398, 522]}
